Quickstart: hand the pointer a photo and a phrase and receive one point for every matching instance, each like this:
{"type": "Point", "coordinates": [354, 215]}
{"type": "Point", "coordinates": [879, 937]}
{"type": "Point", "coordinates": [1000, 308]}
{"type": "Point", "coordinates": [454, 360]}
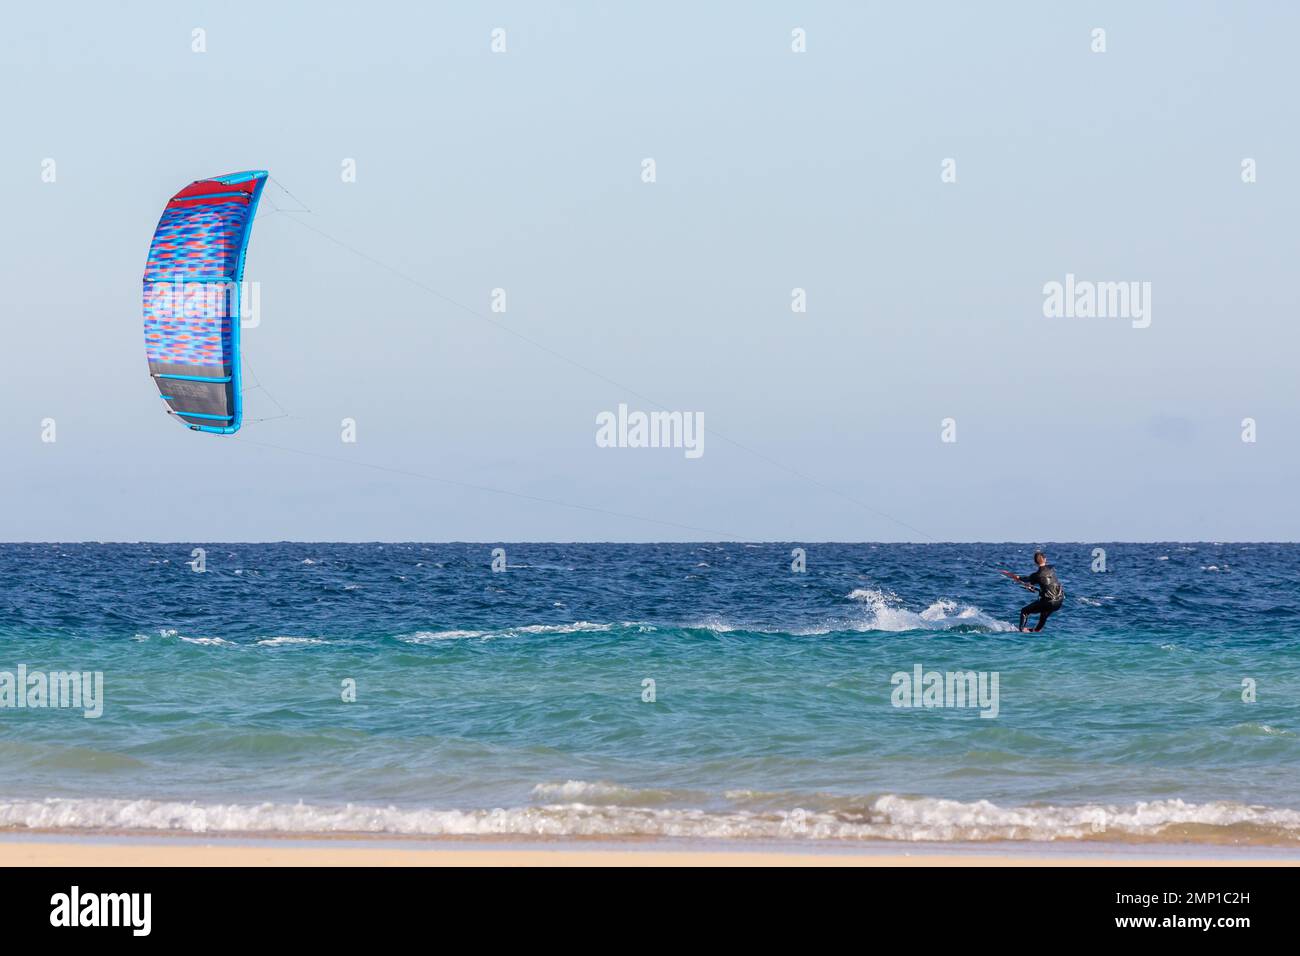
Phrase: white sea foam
{"type": "Point", "coordinates": [936, 819]}
{"type": "Point", "coordinates": [287, 641]}
{"type": "Point", "coordinates": [717, 625]}
{"type": "Point", "coordinates": [889, 817]}
{"type": "Point", "coordinates": [886, 613]}
{"type": "Point", "coordinates": [170, 633]}
{"type": "Point", "coordinates": [430, 637]}
{"type": "Point", "coordinates": [871, 594]}
{"type": "Point", "coordinates": [575, 627]}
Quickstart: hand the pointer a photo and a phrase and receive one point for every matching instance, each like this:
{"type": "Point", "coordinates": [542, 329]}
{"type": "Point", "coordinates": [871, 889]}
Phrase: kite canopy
{"type": "Point", "coordinates": [192, 299]}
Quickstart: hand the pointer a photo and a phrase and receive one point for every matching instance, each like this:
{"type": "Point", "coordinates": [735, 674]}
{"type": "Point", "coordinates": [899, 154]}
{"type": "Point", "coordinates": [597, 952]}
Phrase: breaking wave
{"type": "Point", "coordinates": [885, 818]}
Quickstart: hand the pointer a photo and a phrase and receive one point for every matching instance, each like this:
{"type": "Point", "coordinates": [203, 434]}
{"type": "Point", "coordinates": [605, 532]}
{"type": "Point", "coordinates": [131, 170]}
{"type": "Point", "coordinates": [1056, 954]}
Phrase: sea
{"type": "Point", "coordinates": [824, 695]}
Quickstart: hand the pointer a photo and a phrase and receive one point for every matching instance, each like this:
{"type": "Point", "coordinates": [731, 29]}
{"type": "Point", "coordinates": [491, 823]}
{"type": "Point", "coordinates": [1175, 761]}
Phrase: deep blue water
{"type": "Point", "coordinates": [513, 702]}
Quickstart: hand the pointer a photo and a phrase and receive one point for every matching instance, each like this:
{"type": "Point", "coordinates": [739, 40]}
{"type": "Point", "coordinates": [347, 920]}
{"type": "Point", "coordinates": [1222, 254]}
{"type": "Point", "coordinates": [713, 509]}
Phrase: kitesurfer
{"type": "Point", "coordinates": [1050, 593]}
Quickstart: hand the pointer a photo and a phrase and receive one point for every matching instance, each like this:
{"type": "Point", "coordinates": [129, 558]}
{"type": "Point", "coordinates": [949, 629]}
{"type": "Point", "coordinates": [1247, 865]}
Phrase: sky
{"type": "Point", "coordinates": [825, 170]}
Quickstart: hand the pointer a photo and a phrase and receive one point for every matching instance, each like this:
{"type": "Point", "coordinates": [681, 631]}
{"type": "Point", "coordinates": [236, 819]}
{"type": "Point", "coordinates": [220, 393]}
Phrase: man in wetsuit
{"type": "Point", "coordinates": [1050, 593]}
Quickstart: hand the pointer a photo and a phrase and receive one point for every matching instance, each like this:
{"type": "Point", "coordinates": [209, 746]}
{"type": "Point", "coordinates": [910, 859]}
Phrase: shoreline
{"type": "Point", "coordinates": [80, 849]}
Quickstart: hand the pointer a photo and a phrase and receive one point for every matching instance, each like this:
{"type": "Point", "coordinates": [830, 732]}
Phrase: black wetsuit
{"type": "Point", "coordinates": [1050, 596]}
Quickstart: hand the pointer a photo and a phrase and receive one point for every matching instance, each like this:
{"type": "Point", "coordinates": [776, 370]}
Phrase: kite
{"type": "Point", "coordinates": [193, 301]}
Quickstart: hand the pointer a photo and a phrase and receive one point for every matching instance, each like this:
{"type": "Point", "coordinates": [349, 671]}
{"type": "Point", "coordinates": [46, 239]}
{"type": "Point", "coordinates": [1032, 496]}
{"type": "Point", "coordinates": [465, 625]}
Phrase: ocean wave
{"type": "Point", "coordinates": [1266, 729]}
{"type": "Point", "coordinates": [718, 626]}
{"type": "Point", "coordinates": [601, 792]}
{"type": "Point", "coordinates": [886, 616]}
{"type": "Point", "coordinates": [431, 637]}
{"type": "Point", "coordinates": [885, 818]}
{"type": "Point", "coordinates": [171, 634]}
{"type": "Point", "coordinates": [574, 628]}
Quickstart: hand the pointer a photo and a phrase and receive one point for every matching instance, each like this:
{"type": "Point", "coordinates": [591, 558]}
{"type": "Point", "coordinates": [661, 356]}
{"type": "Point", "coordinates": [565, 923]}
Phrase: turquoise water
{"type": "Point", "coordinates": [516, 703]}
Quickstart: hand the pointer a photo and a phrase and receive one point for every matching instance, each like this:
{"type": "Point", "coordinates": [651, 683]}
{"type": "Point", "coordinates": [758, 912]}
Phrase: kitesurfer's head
{"type": "Point", "coordinates": [1039, 558]}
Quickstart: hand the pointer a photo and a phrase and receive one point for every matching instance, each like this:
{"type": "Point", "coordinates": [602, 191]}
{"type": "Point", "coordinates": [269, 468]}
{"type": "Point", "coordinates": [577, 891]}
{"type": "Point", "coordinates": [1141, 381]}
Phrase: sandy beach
{"type": "Point", "coordinates": [56, 852]}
